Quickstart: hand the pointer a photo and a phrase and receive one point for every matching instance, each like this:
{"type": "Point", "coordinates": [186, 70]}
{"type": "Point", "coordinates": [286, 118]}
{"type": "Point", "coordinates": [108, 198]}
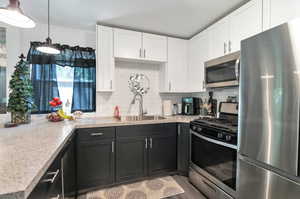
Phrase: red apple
{"type": "Point", "coordinates": [56, 99]}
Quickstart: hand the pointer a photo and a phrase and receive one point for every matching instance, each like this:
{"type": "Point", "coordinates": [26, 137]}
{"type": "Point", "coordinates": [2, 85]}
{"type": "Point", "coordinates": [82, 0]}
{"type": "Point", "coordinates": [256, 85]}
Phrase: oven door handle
{"type": "Point", "coordinates": [214, 141]}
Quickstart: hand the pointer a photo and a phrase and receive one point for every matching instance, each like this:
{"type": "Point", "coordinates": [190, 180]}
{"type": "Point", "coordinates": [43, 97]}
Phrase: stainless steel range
{"type": "Point", "coordinates": [214, 153]}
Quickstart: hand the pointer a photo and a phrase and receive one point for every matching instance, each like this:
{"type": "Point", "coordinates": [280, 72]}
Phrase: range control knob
{"type": "Point", "coordinates": [199, 129]}
{"type": "Point", "coordinates": [220, 135]}
{"type": "Point", "coordinates": [194, 128]}
{"type": "Point", "coordinates": [228, 138]}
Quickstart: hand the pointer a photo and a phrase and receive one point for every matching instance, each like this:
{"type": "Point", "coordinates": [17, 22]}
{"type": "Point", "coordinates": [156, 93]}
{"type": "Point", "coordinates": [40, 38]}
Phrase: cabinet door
{"type": "Point", "coordinates": [131, 158]}
{"type": "Point", "coordinates": [183, 145]}
{"type": "Point", "coordinates": [245, 22]}
{"type": "Point", "coordinates": [162, 154]}
{"type": "Point", "coordinates": [127, 44]}
{"type": "Point", "coordinates": [277, 12]}
{"type": "Point", "coordinates": [177, 65]}
{"type": "Point", "coordinates": [154, 47]}
{"type": "Point", "coordinates": [199, 48]}
{"type": "Point", "coordinates": [95, 163]}
{"type": "Point", "coordinates": [105, 59]}
{"type": "Point", "coordinates": [219, 37]}
{"type": "Point", "coordinates": [68, 169]}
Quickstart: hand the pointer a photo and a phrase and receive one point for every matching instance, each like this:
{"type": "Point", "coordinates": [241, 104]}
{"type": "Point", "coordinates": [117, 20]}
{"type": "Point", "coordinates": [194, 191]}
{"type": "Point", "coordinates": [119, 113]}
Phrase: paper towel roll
{"type": "Point", "coordinates": [167, 107]}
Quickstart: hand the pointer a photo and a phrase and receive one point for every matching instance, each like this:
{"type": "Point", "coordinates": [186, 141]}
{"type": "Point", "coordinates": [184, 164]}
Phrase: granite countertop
{"type": "Point", "coordinates": [27, 151]}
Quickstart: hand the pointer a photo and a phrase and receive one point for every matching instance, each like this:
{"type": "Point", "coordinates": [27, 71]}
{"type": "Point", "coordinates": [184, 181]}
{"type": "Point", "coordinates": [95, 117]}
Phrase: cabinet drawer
{"type": "Point", "coordinates": [145, 130]}
{"type": "Point", "coordinates": [95, 133]}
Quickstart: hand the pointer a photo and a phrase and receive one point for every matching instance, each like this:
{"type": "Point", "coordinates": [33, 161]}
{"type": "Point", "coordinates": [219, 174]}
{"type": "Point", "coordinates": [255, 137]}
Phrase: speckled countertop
{"type": "Point", "coordinates": [28, 150]}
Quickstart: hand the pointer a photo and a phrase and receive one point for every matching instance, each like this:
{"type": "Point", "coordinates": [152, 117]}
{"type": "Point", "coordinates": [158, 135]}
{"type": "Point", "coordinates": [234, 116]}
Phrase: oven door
{"type": "Point", "coordinates": [215, 160]}
{"type": "Point", "coordinates": [223, 71]}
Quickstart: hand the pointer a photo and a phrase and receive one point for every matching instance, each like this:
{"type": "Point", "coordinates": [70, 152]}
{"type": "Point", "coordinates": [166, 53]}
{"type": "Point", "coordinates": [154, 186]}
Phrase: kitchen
{"type": "Point", "coordinates": [131, 105]}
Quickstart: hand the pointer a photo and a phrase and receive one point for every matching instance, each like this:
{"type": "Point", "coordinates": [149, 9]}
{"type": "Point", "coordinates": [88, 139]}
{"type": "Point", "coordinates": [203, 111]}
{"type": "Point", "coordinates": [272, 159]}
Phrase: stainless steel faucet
{"type": "Point", "coordinates": [139, 97]}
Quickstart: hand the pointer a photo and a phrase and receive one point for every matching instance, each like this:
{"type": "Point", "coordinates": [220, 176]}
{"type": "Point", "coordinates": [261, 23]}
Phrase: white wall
{"type": "Point", "coordinates": [58, 34]}
{"type": "Point", "coordinates": [122, 96]}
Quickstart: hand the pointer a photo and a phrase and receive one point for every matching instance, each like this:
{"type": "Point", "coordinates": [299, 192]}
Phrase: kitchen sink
{"type": "Point", "coordinates": [142, 118]}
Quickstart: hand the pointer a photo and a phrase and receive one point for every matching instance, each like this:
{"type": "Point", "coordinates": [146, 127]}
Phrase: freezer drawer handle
{"type": "Point", "coordinates": [51, 180]}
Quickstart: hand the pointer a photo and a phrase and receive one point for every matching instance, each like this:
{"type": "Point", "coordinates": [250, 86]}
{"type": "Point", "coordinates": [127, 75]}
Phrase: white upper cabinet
{"type": "Point", "coordinates": [154, 47]}
{"type": "Point", "coordinates": [198, 54]}
{"type": "Point", "coordinates": [219, 37]}
{"type": "Point", "coordinates": [177, 66]}
{"type": "Point", "coordinates": [127, 44]}
{"type": "Point", "coordinates": [277, 12]}
{"type": "Point", "coordinates": [139, 46]}
{"type": "Point", "coordinates": [227, 34]}
{"type": "Point", "coordinates": [244, 23]}
{"type": "Point", "coordinates": [105, 59]}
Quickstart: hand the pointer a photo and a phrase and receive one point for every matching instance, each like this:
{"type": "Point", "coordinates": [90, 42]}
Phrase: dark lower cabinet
{"type": "Point", "coordinates": [153, 153]}
{"type": "Point", "coordinates": [183, 151]}
{"type": "Point", "coordinates": [98, 157]}
{"type": "Point", "coordinates": [131, 158]}
{"type": "Point", "coordinates": [50, 186]}
{"type": "Point", "coordinates": [95, 163]}
{"type": "Point", "coordinates": [68, 169]}
{"type": "Point", "coordinates": [162, 154]}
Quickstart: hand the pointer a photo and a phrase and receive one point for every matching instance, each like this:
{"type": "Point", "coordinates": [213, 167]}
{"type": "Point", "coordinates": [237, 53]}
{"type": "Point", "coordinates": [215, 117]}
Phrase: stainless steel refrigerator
{"type": "Point", "coordinates": [268, 163]}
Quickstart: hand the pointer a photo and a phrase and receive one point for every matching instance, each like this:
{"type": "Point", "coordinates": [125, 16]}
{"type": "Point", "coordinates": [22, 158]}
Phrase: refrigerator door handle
{"type": "Point", "coordinates": [237, 69]}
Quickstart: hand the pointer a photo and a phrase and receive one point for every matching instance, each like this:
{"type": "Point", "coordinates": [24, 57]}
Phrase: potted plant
{"type": "Point", "coordinates": [20, 103]}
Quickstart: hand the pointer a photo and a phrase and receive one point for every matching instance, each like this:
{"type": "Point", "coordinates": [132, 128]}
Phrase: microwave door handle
{"type": "Point", "coordinates": [237, 69]}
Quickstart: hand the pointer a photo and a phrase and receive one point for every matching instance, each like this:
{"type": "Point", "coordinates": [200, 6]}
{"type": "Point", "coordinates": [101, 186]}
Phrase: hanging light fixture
{"type": "Point", "coordinates": [48, 47]}
{"type": "Point", "coordinates": [13, 15]}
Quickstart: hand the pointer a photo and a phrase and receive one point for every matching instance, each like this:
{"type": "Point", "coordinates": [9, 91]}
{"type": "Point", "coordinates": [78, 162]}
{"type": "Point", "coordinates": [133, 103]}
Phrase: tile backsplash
{"type": "Point", "coordinates": [220, 94]}
{"type": "Point", "coordinates": [122, 95]}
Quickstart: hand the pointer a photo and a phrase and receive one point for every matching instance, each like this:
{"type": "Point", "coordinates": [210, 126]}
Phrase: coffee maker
{"type": "Point", "coordinates": [190, 106]}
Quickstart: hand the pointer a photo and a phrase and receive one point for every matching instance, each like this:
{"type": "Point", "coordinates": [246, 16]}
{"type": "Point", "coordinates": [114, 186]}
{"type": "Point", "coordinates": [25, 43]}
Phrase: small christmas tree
{"type": "Point", "coordinates": [20, 101]}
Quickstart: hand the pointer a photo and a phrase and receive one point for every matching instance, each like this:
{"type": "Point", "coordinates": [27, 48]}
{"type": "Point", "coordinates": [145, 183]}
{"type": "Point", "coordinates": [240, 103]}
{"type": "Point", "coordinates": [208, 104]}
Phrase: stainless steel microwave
{"type": "Point", "coordinates": [222, 71]}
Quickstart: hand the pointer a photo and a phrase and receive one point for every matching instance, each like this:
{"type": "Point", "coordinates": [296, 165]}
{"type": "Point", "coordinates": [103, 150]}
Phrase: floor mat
{"type": "Point", "coordinates": [149, 189]}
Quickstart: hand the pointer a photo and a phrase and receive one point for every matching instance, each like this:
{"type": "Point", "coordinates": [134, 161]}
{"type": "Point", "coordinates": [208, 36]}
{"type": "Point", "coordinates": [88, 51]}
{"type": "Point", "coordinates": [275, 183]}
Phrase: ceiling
{"type": "Point", "coordinates": [181, 18]}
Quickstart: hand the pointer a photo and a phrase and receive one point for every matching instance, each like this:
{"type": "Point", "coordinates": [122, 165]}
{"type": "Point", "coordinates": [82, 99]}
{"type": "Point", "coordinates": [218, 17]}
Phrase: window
{"type": "Point", "coordinates": [71, 75]}
{"type": "Point", "coordinates": [65, 79]}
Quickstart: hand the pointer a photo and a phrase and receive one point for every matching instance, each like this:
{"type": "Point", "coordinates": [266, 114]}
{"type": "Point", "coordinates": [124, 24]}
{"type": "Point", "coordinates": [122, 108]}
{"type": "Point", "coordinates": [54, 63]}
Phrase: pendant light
{"type": "Point", "coordinates": [48, 47]}
{"type": "Point", "coordinates": [13, 15]}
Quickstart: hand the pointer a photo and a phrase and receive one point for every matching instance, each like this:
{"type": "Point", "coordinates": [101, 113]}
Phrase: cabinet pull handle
{"type": "Point", "coordinates": [170, 86]}
{"type": "Point", "coordinates": [150, 143]}
{"type": "Point", "coordinates": [110, 84]}
{"type": "Point", "coordinates": [96, 134]}
{"type": "Point", "coordinates": [225, 48]}
{"type": "Point", "coordinates": [229, 46]}
{"type": "Point", "coordinates": [57, 197]}
{"type": "Point", "coordinates": [112, 146]}
{"type": "Point", "coordinates": [51, 180]}
{"type": "Point", "coordinates": [203, 85]}
{"type": "Point", "coordinates": [140, 52]}
{"type": "Point", "coordinates": [144, 53]}
{"type": "Point", "coordinates": [146, 143]}
{"type": "Point", "coordinates": [179, 130]}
